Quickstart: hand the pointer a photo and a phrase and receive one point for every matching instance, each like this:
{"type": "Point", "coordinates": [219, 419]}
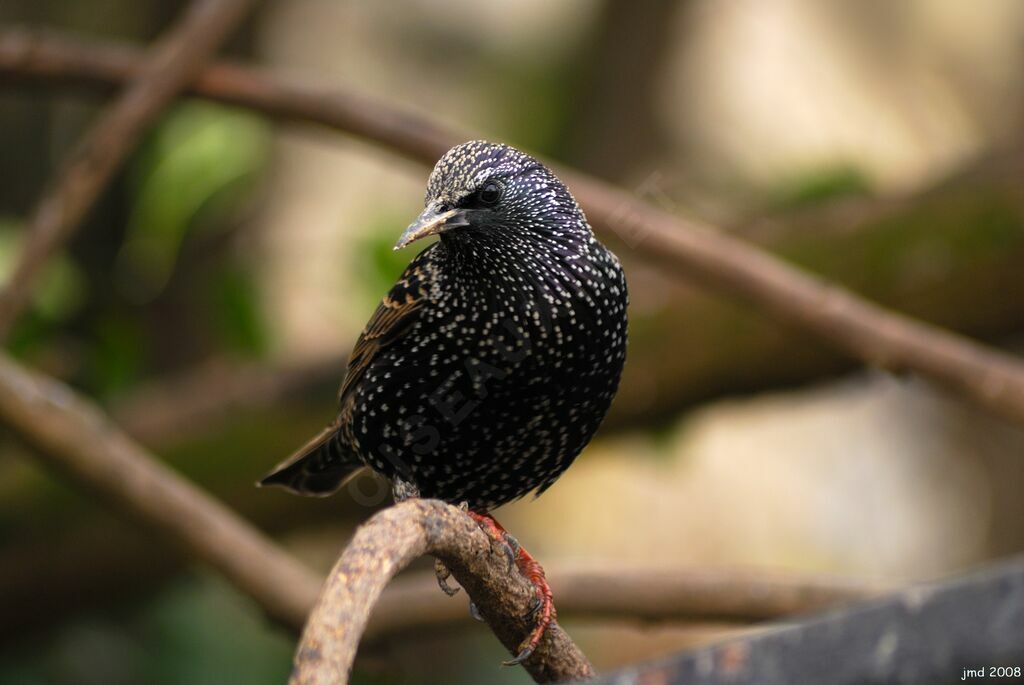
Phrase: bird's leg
{"type": "Point", "coordinates": [402, 489]}
{"type": "Point", "coordinates": [497, 533]}
{"type": "Point", "coordinates": [543, 611]}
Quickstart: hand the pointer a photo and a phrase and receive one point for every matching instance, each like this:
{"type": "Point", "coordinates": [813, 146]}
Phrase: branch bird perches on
{"type": "Point", "coordinates": [386, 544]}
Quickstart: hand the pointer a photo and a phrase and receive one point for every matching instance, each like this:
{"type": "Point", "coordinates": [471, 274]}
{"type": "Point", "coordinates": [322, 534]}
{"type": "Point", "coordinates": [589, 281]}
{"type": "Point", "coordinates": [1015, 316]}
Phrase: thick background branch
{"type": "Point", "coordinates": [385, 545]}
{"type": "Point", "coordinates": [73, 437]}
{"type": "Point", "coordinates": [206, 395]}
{"type": "Point", "coordinates": [686, 350]}
{"type": "Point", "coordinates": [159, 76]}
{"type": "Point", "coordinates": [413, 603]}
{"type": "Point", "coordinates": [682, 247]}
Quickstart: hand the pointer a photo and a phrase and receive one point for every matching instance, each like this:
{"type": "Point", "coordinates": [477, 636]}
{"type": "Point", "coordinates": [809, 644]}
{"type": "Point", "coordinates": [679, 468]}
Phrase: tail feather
{"type": "Point", "coordinates": [319, 468]}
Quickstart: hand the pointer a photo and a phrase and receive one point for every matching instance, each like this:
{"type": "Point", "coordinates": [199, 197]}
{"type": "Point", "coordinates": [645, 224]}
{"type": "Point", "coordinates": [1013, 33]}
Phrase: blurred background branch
{"type": "Point", "coordinates": [74, 438]}
{"type": "Point", "coordinates": [173, 61]}
{"type": "Point", "coordinates": [202, 398]}
{"type": "Point", "coordinates": [682, 247]}
{"type": "Point", "coordinates": [689, 347]}
{"type": "Point", "coordinates": [635, 594]}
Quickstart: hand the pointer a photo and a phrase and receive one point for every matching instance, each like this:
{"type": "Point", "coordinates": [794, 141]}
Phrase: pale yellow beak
{"type": "Point", "coordinates": [432, 222]}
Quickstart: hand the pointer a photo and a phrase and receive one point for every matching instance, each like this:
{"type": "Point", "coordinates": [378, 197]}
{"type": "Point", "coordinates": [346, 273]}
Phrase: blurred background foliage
{"type": "Point", "coordinates": [878, 144]}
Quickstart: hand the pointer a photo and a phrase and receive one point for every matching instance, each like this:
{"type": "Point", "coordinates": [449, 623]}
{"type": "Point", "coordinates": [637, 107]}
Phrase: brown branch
{"type": "Point", "coordinates": [205, 395]}
{"type": "Point", "coordinates": [989, 377]}
{"type": "Point", "coordinates": [413, 604]}
{"type": "Point", "coordinates": [682, 247]}
{"type": "Point", "coordinates": [385, 545]}
{"type": "Point", "coordinates": [161, 74]}
{"type": "Point", "coordinates": [51, 57]}
{"type": "Point", "coordinates": [686, 361]}
{"type": "Point", "coordinates": [74, 438]}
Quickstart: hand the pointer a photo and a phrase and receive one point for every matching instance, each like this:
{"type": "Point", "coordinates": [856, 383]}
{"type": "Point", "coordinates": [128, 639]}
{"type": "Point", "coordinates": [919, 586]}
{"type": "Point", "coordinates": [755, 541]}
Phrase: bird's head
{"type": "Point", "coordinates": [481, 190]}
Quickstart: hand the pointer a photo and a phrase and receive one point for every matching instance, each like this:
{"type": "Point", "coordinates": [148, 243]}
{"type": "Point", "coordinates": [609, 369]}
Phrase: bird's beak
{"type": "Point", "coordinates": [432, 222]}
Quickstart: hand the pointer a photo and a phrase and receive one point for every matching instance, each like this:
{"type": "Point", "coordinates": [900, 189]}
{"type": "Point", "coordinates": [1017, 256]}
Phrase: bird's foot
{"type": "Point", "coordinates": [443, 574]}
{"type": "Point", "coordinates": [497, 533]}
{"type": "Point", "coordinates": [543, 610]}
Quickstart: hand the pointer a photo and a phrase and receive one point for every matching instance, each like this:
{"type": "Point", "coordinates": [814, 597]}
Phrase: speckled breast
{"type": "Point", "coordinates": [500, 383]}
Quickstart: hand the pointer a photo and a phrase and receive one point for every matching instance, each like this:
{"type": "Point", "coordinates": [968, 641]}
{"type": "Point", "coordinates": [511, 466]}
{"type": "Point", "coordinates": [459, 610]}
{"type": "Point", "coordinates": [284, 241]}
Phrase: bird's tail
{"type": "Point", "coordinates": [318, 468]}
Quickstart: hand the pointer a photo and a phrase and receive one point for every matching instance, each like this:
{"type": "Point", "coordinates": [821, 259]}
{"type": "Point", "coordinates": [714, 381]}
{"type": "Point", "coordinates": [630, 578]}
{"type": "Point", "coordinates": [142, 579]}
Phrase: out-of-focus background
{"type": "Point", "coordinates": [879, 144]}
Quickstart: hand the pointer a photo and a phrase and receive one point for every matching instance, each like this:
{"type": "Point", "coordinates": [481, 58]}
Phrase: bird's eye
{"type": "Point", "coordinates": [489, 194]}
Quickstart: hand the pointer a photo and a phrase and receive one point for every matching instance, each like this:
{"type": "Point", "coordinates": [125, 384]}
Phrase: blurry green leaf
{"type": "Point", "coordinates": [60, 292]}
{"type": "Point", "coordinates": [198, 631]}
{"type": "Point", "coordinates": [542, 125]}
{"type": "Point", "coordinates": [61, 287]}
{"type": "Point", "coordinates": [237, 315]}
{"type": "Point", "coordinates": [819, 186]}
{"type": "Point", "coordinates": [202, 631]}
{"type": "Point", "coordinates": [198, 164]}
{"type": "Point", "coordinates": [118, 355]}
{"type": "Point", "coordinates": [378, 264]}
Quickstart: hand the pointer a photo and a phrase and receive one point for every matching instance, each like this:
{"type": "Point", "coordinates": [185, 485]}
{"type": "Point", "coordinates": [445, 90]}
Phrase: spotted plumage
{"type": "Point", "coordinates": [490, 364]}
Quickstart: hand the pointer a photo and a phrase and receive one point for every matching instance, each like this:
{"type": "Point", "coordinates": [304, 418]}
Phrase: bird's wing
{"type": "Point", "coordinates": [394, 315]}
{"type": "Point", "coordinates": [323, 465]}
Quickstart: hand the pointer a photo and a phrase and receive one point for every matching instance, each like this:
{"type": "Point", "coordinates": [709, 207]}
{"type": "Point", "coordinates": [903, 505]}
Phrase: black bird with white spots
{"type": "Point", "coordinates": [492, 361]}
{"type": "Point", "coordinates": [490, 364]}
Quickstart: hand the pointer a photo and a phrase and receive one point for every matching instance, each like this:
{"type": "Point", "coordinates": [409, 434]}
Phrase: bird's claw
{"type": "Point", "coordinates": [443, 574]}
{"type": "Point", "coordinates": [542, 609]}
{"type": "Point", "coordinates": [535, 606]}
{"type": "Point", "coordinates": [474, 611]}
{"type": "Point", "coordinates": [499, 535]}
{"type": "Point", "coordinates": [524, 654]}
{"type": "Point", "coordinates": [512, 549]}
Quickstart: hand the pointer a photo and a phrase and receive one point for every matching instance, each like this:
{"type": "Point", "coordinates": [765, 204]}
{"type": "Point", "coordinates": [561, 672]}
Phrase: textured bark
{"type": "Point", "coordinates": [384, 546]}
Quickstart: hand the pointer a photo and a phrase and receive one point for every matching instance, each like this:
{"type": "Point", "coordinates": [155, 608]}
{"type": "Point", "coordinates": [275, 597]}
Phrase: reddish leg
{"type": "Point", "coordinates": [544, 609]}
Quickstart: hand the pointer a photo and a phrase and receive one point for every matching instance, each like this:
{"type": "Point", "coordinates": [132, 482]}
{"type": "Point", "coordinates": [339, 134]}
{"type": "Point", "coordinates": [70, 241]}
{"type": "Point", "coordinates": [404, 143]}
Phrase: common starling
{"type": "Point", "coordinates": [490, 364]}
